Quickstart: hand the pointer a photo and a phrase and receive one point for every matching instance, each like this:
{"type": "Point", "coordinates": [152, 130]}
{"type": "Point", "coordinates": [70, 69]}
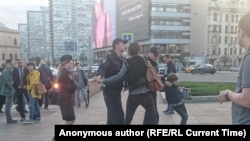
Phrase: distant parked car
{"type": "Point", "coordinates": [94, 68]}
{"type": "Point", "coordinates": [204, 68]}
{"type": "Point", "coordinates": [235, 68]}
{"type": "Point", "coordinates": [190, 69]}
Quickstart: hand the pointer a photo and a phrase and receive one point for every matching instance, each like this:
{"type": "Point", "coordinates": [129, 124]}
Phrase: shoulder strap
{"type": "Point", "coordinates": [146, 62]}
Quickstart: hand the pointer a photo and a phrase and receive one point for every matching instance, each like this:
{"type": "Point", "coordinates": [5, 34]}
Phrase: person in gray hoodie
{"type": "Point", "coordinates": [81, 81]}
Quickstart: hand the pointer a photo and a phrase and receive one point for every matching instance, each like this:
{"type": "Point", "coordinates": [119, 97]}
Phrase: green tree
{"type": "Point", "coordinates": [224, 59]}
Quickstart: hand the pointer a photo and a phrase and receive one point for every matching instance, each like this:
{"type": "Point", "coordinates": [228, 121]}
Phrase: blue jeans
{"type": "Point", "coordinates": [84, 95]}
{"type": "Point", "coordinates": [170, 108]}
{"type": "Point", "coordinates": [34, 108]}
{"type": "Point", "coordinates": [8, 104]}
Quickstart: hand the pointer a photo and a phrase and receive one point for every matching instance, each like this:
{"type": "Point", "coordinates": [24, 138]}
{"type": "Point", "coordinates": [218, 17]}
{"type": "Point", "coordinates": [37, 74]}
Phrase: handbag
{"type": "Point", "coordinates": [186, 94]}
{"type": "Point", "coordinates": [154, 83]}
{"type": "Point", "coordinates": [40, 89]}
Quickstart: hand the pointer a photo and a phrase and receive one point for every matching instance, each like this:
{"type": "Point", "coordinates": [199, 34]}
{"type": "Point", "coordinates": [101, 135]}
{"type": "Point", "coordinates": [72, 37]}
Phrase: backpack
{"type": "Point", "coordinates": [40, 89]}
{"type": "Point", "coordinates": [153, 82]}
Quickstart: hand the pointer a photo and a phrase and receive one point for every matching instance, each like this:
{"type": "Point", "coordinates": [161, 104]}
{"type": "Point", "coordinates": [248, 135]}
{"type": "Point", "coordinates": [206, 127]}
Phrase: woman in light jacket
{"type": "Point", "coordinates": [33, 79]}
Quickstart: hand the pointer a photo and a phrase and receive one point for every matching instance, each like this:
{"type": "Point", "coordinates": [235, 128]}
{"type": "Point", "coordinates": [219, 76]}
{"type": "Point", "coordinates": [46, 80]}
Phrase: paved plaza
{"type": "Point", "coordinates": [205, 113]}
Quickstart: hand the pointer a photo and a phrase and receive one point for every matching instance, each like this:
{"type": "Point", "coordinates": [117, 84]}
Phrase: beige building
{"type": "Point", "coordinates": [214, 30]}
{"type": "Point", "coordinates": [9, 44]}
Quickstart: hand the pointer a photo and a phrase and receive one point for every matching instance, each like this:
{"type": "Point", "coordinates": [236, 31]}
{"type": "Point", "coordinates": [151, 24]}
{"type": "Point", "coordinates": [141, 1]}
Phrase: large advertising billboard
{"type": "Point", "coordinates": [104, 23]}
{"type": "Point", "coordinates": [133, 19]}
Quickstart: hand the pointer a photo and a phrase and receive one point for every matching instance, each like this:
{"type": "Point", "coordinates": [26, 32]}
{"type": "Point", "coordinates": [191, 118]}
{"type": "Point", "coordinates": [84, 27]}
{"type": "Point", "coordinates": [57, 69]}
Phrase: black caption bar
{"type": "Point", "coordinates": [92, 132]}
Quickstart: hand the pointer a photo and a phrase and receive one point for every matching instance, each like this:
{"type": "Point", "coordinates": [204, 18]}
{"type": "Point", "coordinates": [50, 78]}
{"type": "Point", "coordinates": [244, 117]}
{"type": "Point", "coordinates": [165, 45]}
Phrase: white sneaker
{"type": "Point", "coordinates": [28, 121]}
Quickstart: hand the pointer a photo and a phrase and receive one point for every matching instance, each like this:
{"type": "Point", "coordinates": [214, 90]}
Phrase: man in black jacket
{"type": "Point", "coordinates": [153, 56]}
{"type": "Point", "coordinates": [46, 78]}
{"type": "Point", "coordinates": [170, 68]}
{"type": "Point", "coordinates": [20, 85]}
{"type": "Point", "coordinates": [112, 93]}
{"type": "Point", "coordinates": [2, 98]}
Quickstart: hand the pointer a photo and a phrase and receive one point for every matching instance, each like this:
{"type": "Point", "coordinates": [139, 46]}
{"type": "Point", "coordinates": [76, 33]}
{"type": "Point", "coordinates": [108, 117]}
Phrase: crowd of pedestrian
{"type": "Point", "coordinates": [19, 86]}
{"type": "Point", "coordinates": [116, 74]}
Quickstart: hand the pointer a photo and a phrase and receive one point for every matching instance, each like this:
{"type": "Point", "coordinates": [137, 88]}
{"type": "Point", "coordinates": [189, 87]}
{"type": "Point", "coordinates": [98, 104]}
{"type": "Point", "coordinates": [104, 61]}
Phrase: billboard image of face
{"type": "Point", "coordinates": [104, 19]}
{"type": "Point", "coordinates": [133, 19]}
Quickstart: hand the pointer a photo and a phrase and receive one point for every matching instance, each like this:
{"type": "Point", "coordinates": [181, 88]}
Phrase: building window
{"type": "Point", "coordinates": [226, 17]}
{"type": "Point", "coordinates": [11, 56]}
{"type": "Point", "coordinates": [15, 42]}
{"type": "Point", "coordinates": [225, 40]}
{"type": "Point", "coordinates": [220, 40]}
{"type": "Point", "coordinates": [215, 17]}
{"type": "Point", "coordinates": [236, 29]}
{"type": "Point", "coordinates": [3, 57]}
{"type": "Point", "coordinates": [15, 56]}
{"type": "Point", "coordinates": [232, 40]}
{"type": "Point", "coordinates": [214, 51]}
{"type": "Point", "coordinates": [240, 51]}
{"type": "Point", "coordinates": [214, 28]}
{"type": "Point", "coordinates": [225, 51]}
{"type": "Point", "coordinates": [219, 28]}
{"type": "Point", "coordinates": [232, 20]}
{"type": "Point", "coordinates": [232, 29]}
{"type": "Point", "coordinates": [219, 51]}
{"type": "Point", "coordinates": [231, 51]}
{"type": "Point", "coordinates": [226, 29]}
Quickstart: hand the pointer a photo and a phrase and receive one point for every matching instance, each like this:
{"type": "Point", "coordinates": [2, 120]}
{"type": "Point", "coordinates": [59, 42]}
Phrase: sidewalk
{"type": "Point", "coordinates": [199, 114]}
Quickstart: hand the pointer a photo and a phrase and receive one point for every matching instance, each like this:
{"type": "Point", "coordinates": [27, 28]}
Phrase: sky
{"type": "Point", "coordinates": [13, 12]}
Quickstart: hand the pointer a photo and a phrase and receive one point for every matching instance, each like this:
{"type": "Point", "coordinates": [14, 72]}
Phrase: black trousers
{"type": "Point", "coordinates": [2, 101]}
{"type": "Point", "coordinates": [147, 102]}
{"type": "Point", "coordinates": [182, 111]}
{"type": "Point", "coordinates": [146, 116]}
{"type": "Point", "coordinates": [19, 94]}
{"type": "Point", "coordinates": [115, 113]}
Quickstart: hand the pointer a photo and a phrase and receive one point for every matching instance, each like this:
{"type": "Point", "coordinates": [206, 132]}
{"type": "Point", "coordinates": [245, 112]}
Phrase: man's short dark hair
{"type": "Point", "coordinates": [77, 64]}
{"type": "Point", "coordinates": [117, 41]}
{"type": "Point", "coordinates": [8, 61]}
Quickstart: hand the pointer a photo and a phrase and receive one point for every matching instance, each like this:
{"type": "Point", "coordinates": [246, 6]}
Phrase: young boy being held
{"type": "Point", "coordinates": [174, 97]}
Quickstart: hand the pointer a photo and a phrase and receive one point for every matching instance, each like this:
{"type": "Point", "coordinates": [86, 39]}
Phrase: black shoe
{"type": "Point", "coordinates": [86, 105]}
{"type": "Point", "coordinates": [169, 112]}
{"type": "Point", "coordinates": [1, 111]}
{"type": "Point", "coordinates": [17, 109]}
{"type": "Point", "coordinates": [46, 107]}
{"type": "Point", "coordinates": [79, 105]}
{"type": "Point", "coordinates": [12, 121]}
{"type": "Point", "coordinates": [165, 111]}
{"type": "Point", "coordinates": [23, 119]}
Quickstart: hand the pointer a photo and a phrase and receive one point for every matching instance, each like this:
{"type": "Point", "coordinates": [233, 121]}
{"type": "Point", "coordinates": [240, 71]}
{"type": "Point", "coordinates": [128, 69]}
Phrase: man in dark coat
{"type": "Point", "coordinates": [170, 68]}
{"type": "Point", "coordinates": [20, 85]}
{"type": "Point", "coordinates": [46, 78]}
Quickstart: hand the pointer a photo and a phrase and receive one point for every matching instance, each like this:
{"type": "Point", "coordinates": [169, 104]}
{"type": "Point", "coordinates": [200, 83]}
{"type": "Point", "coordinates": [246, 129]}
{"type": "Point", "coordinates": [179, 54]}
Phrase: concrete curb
{"type": "Point", "coordinates": [194, 98]}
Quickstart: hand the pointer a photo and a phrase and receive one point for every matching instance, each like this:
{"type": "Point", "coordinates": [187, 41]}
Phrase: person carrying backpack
{"type": "Point", "coordinates": [46, 78]}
